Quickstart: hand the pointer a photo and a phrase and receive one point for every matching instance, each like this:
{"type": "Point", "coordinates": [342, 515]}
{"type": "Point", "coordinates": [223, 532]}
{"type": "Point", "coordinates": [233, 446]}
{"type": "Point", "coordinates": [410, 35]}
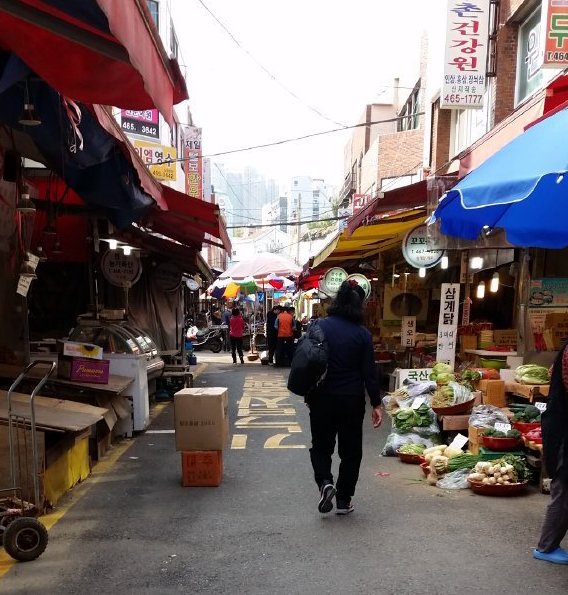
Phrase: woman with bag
{"type": "Point", "coordinates": [337, 406]}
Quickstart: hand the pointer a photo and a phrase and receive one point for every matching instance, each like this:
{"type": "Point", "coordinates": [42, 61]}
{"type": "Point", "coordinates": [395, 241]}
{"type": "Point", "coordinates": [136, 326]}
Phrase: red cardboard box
{"type": "Point", "coordinates": [80, 369]}
{"type": "Point", "coordinates": [201, 468]}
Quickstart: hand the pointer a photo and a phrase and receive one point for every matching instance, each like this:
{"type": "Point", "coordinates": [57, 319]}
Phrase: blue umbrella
{"type": "Point", "coordinates": [523, 189]}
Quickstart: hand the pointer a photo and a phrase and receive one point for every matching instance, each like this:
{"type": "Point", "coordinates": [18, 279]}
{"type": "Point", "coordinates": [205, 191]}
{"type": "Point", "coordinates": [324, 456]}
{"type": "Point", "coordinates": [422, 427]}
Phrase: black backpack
{"type": "Point", "coordinates": [309, 363]}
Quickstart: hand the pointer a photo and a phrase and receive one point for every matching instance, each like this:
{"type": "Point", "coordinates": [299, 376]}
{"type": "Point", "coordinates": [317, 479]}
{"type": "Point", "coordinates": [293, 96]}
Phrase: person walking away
{"type": "Point", "coordinates": [337, 406]}
{"type": "Point", "coordinates": [272, 332]}
{"type": "Point", "coordinates": [285, 326]}
{"type": "Point", "coordinates": [236, 326]}
{"type": "Point", "coordinates": [226, 319]}
{"type": "Point", "coordinates": [555, 457]}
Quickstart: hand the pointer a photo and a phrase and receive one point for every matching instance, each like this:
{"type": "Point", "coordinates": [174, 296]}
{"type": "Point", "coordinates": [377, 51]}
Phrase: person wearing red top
{"type": "Point", "coordinates": [236, 327]}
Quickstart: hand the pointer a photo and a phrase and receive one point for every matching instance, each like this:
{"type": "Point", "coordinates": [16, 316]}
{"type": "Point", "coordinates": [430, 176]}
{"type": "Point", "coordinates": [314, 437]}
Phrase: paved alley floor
{"type": "Point", "coordinates": [134, 529]}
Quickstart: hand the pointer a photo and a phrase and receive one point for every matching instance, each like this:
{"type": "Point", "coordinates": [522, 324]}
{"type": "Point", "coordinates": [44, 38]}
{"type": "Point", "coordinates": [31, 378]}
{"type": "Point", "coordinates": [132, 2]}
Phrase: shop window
{"type": "Point", "coordinates": [409, 118]}
{"type": "Point", "coordinates": [154, 8]}
{"type": "Point", "coordinates": [468, 125]}
{"type": "Point", "coordinates": [529, 72]}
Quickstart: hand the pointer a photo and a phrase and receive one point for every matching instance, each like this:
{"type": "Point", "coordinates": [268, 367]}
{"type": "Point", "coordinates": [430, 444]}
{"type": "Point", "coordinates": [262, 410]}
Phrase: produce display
{"type": "Point", "coordinates": [407, 418]}
{"type": "Point", "coordinates": [507, 470]}
{"type": "Point", "coordinates": [493, 433]}
{"type": "Point", "coordinates": [525, 413]}
{"type": "Point", "coordinates": [442, 373]}
{"type": "Point", "coordinates": [532, 374]}
{"type": "Point", "coordinates": [411, 449]}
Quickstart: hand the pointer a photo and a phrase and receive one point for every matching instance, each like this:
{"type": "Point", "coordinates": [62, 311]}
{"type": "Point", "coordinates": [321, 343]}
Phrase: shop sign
{"type": "Point", "coordinates": [467, 35]}
{"type": "Point", "coordinates": [408, 331]}
{"type": "Point", "coordinates": [141, 122]}
{"type": "Point", "coordinates": [161, 160]}
{"type": "Point", "coordinates": [448, 323]}
{"type": "Point", "coordinates": [363, 282]}
{"type": "Point", "coordinates": [119, 269]}
{"type": "Point", "coordinates": [332, 280]}
{"type": "Point", "coordinates": [411, 374]}
{"type": "Point", "coordinates": [192, 161]}
{"type": "Point", "coordinates": [548, 293]}
{"type": "Point", "coordinates": [555, 29]}
{"type": "Point", "coordinates": [360, 201]}
{"type": "Point", "coordinates": [167, 277]}
{"type": "Point", "coordinates": [419, 249]}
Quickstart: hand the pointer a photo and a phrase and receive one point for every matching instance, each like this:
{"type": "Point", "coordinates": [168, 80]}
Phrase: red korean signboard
{"type": "Point", "coordinates": [555, 19]}
{"type": "Point", "coordinates": [141, 122]}
{"type": "Point", "coordinates": [467, 35]}
{"type": "Point", "coordinates": [360, 201]}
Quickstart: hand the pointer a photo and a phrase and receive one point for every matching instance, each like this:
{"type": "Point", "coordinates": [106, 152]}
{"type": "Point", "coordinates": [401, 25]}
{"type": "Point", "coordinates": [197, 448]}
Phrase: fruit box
{"type": "Point", "coordinates": [201, 468]}
{"type": "Point", "coordinates": [78, 369]}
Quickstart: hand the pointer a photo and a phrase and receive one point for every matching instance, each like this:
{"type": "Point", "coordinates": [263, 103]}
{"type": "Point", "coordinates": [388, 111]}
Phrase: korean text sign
{"type": "Point", "coordinates": [467, 34]}
{"type": "Point", "coordinates": [448, 323]}
{"type": "Point", "coordinates": [555, 20]}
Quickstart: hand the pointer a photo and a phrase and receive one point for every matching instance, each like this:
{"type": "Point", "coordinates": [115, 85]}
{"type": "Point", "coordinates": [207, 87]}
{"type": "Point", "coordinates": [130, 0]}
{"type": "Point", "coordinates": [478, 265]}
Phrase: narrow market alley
{"type": "Point", "coordinates": [132, 528]}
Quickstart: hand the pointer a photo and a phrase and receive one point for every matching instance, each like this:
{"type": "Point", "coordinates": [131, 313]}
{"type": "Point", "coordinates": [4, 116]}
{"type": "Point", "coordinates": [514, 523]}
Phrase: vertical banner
{"type": "Point", "coordinates": [467, 35]}
{"type": "Point", "coordinates": [448, 323]}
{"type": "Point", "coordinates": [192, 161]}
{"type": "Point", "coordinates": [408, 331]}
{"type": "Point", "coordinates": [555, 33]}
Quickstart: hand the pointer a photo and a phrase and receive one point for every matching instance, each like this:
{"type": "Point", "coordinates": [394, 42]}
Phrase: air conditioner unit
{"type": "Point", "coordinates": [399, 303]}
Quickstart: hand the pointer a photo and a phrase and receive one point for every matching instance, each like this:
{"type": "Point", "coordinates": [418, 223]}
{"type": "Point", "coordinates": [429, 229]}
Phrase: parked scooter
{"type": "Point", "coordinates": [208, 338]}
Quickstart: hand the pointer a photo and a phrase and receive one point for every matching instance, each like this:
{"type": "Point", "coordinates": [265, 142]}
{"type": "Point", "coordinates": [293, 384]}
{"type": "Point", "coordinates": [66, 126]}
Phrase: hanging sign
{"type": "Point", "coordinates": [160, 159]}
{"type": "Point", "coordinates": [119, 269]}
{"type": "Point", "coordinates": [332, 280]}
{"type": "Point", "coordinates": [419, 249]}
{"type": "Point", "coordinates": [467, 37]}
{"type": "Point", "coordinates": [167, 276]}
{"type": "Point", "coordinates": [24, 283]}
{"type": "Point", "coordinates": [408, 331]}
{"type": "Point", "coordinates": [363, 283]}
{"type": "Point", "coordinates": [192, 161]}
{"type": "Point", "coordinates": [141, 122]}
{"type": "Point", "coordinates": [448, 323]}
{"type": "Point", "coordinates": [192, 284]}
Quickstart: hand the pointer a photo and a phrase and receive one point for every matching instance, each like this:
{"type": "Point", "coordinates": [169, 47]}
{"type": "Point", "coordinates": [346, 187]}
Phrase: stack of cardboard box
{"type": "Point", "coordinates": [82, 362]}
{"type": "Point", "coordinates": [201, 433]}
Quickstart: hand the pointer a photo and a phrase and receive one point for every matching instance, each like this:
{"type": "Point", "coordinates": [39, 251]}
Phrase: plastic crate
{"type": "Point", "coordinates": [491, 455]}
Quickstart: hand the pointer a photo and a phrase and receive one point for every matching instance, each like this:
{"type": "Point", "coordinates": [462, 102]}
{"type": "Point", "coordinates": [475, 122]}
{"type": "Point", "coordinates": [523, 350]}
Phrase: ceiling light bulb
{"type": "Point", "coordinates": [481, 290]}
{"type": "Point", "coordinates": [476, 262]}
{"type": "Point", "coordinates": [422, 272]}
{"type": "Point", "coordinates": [494, 284]}
{"type": "Point", "coordinates": [112, 244]}
{"type": "Point", "coordinates": [444, 262]}
{"type": "Point", "coordinates": [127, 250]}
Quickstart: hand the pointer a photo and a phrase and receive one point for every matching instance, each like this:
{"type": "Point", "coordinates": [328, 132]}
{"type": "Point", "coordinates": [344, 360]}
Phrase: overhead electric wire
{"type": "Point", "coordinates": [277, 224]}
{"type": "Point", "coordinates": [265, 70]}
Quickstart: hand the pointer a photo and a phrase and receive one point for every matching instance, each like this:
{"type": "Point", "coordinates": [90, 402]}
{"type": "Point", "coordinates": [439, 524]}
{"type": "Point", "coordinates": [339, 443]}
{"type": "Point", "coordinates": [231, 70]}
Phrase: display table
{"type": "Point", "coordinates": [527, 391]}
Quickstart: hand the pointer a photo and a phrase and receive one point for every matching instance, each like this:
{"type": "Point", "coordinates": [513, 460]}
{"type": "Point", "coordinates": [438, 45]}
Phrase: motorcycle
{"type": "Point", "coordinates": [206, 338]}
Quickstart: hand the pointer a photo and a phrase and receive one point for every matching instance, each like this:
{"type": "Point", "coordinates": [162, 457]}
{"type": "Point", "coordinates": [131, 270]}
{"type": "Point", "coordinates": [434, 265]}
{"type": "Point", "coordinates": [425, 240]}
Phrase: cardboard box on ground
{"type": "Point", "coordinates": [555, 330]}
{"type": "Point", "coordinates": [201, 419]}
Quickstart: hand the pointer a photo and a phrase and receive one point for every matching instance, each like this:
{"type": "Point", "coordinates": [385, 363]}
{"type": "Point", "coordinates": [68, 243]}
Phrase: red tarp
{"type": "Point", "coordinates": [127, 68]}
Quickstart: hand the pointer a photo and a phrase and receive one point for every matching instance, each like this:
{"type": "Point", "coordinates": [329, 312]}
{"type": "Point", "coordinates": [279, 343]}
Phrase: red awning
{"type": "Point", "coordinates": [101, 51]}
{"type": "Point", "coordinates": [405, 197]}
{"type": "Point", "coordinates": [187, 220]}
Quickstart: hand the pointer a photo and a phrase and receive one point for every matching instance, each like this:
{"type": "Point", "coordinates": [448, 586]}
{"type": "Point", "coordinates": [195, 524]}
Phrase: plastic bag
{"type": "Point", "coordinates": [396, 440]}
{"type": "Point", "coordinates": [486, 416]}
{"type": "Point", "coordinates": [462, 394]}
{"type": "Point", "coordinates": [456, 480]}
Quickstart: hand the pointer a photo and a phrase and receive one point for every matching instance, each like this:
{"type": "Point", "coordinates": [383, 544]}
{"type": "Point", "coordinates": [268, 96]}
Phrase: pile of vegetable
{"type": "Point", "coordinates": [406, 418]}
{"type": "Point", "coordinates": [412, 449]}
{"type": "Point", "coordinates": [442, 373]}
{"type": "Point", "coordinates": [506, 470]}
{"type": "Point", "coordinates": [532, 374]}
{"type": "Point", "coordinates": [493, 433]}
{"type": "Point", "coordinates": [451, 394]}
{"type": "Point", "coordinates": [441, 464]}
{"type": "Point", "coordinates": [448, 452]}
{"type": "Point", "coordinates": [525, 413]}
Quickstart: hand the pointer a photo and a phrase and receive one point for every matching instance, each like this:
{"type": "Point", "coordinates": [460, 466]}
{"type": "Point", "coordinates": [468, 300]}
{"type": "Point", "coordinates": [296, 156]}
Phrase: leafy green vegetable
{"type": "Point", "coordinates": [522, 471]}
{"type": "Point", "coordinates": [412, 449]}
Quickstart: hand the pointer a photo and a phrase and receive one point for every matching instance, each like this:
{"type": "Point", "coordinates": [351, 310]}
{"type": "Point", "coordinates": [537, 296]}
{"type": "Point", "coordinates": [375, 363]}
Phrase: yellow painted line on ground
{"type": "Point", "coordinates": [239, 441]}
{"type": "Point", "coordinates": [79, 491]}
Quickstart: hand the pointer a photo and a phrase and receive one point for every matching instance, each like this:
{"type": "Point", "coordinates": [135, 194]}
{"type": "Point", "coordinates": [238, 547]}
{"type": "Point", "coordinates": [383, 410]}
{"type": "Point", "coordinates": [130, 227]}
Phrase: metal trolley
{"type": "Point", "coordinates": [24, 537]}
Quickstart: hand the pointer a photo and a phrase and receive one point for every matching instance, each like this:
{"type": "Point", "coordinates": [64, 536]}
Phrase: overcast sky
{"type": "Point", "coordinates": [334, 55]}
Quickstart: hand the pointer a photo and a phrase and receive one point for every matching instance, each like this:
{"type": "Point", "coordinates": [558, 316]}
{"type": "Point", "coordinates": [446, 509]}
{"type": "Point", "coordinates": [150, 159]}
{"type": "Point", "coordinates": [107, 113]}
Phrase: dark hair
{"type": "Point", "coordinates": [235, 312]}
{"type": "Point", "coordinates": [348, 303]}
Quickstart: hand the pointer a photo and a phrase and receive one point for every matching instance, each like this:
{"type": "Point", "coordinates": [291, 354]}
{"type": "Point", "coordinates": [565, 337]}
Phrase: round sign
{"type": "Point", "coordinates": [121, 270]}
{"type": "Point", "coordinates": [192, 284]}
{"type": "Point", "coordinates": [418, 250]}
{"type": "Point", "coordinates": [332, 280]}
{"type": "Point", "coordinates": [363, 283]}
{"type": "Point", "coordinates": [167, 276]}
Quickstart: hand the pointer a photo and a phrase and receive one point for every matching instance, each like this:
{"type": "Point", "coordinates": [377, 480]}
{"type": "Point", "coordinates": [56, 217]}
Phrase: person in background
{"type": "Point", "coordinates": [226, 319]}
{"type": "Point", "coordinates": [337, 406]}
{"type": "Point", "coordinates": [555, 457]}
{"type": "Point", "coordinates": [272, 332]}
{"type": "Point", "coordinates": [236, 326]}
{"type": "Point", "coordinates": [297, 325]}
{"type": "Point", "coordinates": [285, 326]}
{"type": "Point", "coordinates": [216, 317]}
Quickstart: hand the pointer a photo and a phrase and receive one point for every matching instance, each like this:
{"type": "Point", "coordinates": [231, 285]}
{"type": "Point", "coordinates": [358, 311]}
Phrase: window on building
{"type": "Point", "coordinates": [529, 73]}
{"type": "Point", "coordinates": [468, 125]}
{"type": "Point", "coordinates": [174, 44]}
{"type": "Point", "coordinates": [409, 112]}
{"type": "Point", "coordinates": [154, 8]}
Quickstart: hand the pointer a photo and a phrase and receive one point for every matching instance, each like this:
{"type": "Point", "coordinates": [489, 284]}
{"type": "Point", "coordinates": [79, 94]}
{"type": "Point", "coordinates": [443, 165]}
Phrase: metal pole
{"type": "Point", "coordinates": [298, 217]}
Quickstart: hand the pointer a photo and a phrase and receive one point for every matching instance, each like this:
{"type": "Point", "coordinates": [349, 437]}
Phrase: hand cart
{"type": "Point", "coordinates": [24, 537]}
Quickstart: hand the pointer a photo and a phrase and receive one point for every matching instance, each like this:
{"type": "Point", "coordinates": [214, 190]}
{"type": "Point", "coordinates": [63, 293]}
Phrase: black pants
{"type": "Point", "coordinates": [237, 346]}
{"type": "Point", "coordinates": [272, 341]}
{"type": "Point", "coordinates": [340, 416]}
{"type": "Point", "coordinates": [285, 350]}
